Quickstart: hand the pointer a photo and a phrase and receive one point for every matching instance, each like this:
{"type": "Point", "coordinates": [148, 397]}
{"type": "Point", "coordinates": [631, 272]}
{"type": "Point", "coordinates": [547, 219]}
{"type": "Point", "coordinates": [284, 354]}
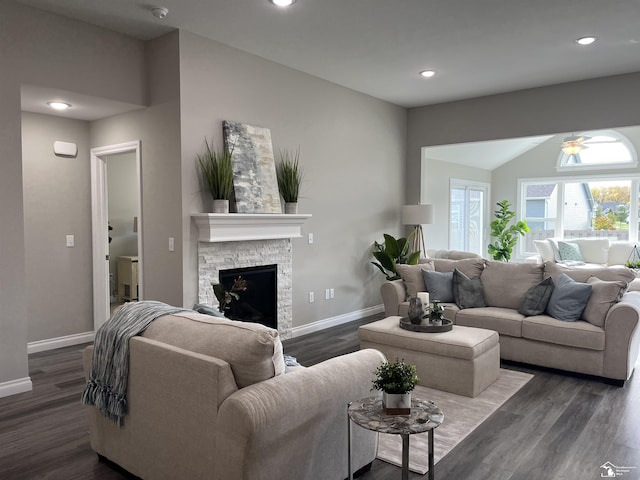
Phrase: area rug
{"type": "Point", "coordinates": [462, 415]}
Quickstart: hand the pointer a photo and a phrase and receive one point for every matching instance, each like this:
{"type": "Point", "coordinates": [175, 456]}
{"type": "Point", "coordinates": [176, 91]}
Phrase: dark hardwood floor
{"type": "Point", "coordinates": [559, 426]}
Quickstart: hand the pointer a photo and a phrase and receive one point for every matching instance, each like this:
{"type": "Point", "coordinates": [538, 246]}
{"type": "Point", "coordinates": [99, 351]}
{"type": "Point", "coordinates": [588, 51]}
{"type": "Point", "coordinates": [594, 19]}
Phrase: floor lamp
{"type": "Point", "coordinates": [418, 215]}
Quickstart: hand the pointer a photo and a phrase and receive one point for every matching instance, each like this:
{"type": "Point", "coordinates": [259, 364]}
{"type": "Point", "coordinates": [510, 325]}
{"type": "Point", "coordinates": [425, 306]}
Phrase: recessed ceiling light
{"type": "Point", "coordinates": [59, 105]}
{"type": "Point", "coordinates": [427, 73]}
{"type": "Point", "coordinates": [283, 3]}
{"type": "Point", "coordinates": [586, 40]}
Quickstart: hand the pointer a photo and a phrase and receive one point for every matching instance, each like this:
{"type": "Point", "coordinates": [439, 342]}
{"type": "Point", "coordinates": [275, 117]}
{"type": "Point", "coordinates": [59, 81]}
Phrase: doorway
{"type": "Point", "coordinates": [117, 227]}
{"type": "Point", "coordinates": [468, 216]}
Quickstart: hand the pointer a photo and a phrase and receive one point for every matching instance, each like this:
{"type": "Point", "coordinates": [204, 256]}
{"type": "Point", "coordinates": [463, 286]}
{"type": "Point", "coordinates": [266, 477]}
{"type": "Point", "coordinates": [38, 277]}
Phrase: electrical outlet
{"type": "Point", "coordinates": [71, 241]}
{"type": "Point", "coordinates": [172, 244]}
{"type": "Point", "coordinates": [311, 299]}
{"type": "Point", "coordinates": [326, 294]}
{"type": "Point", "coordinates": [332, 293]}
{"type": "Point", "coordinates": [310, 238]}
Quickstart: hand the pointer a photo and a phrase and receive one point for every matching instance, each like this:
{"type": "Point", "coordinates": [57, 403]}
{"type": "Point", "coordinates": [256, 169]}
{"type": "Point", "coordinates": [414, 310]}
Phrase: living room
{"type": "Point", "coordinates": [362, 159]}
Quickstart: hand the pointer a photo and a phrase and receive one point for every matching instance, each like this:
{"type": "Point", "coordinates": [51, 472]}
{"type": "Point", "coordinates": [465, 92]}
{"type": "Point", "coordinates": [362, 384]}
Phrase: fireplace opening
{"type": "Point", "coordinates": [259, 301]}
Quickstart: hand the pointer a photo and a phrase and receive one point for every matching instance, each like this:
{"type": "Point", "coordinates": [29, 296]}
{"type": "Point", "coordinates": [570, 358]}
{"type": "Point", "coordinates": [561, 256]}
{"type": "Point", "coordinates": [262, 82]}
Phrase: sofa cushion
{"type": "Point", "coordinates": [467, 292]}
{"type": "Point", "coordinates": [439, 285]}
{"type": "Point", "coordinates": [619, 252]}
{"type": "Point", "coordinates": [536, 299]}
{"type": "Point", "coordinates": [570, 251]}
{"type": "Point", "coordinates": [545, 250]}
{"type": "Point", "coordinates": [603, 296]}
{"type": "Point", "coordinates": [505, 321]}
{"type": "Point", "coordinates": [544, 328]}
{"type": "Point", "coordinates": [582, 273]}
{"type": "Point", "coordinates": [412, 276]}
{"type": "Point", "coordinates": [505, 284]}
{"type": "Point", "coordinates": [593, 250]}
{"type": "Point", "coordinates": [253, 351]}
{"type": "Point", "coordinates": [471, 267]}
{"type": "Point", "coordinates": [568, 299]}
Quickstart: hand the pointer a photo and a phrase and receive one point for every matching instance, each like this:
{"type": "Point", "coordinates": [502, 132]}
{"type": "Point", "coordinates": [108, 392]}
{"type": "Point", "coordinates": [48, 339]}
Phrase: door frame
{"type": "Point", "coordinates": [472, 185]}
{"type": "Point", "coordinates": [100, 230]}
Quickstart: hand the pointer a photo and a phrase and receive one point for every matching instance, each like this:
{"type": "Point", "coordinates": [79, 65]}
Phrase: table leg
{"type": "Point", "coordinates": [350, 473]}
{"type": "Point", "coordinates": [405, 456]}
{"type": "Point", "coordinates": [432, 473]}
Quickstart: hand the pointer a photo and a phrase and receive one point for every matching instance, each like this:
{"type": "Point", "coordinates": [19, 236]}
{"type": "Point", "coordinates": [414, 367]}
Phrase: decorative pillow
{"type": "Point", "coordinates": [439, 285]}
{"type": "Point", "coordinates": [554, 246]}
{"type": "Point", "coordinates": [545, 250]}
{"type": "Point", "coordinates": [570, 251]}
{"type": "Point", "coordinates": [603, 296]}
{"type": "Point", "coordinates": [412, 277]}
{"type": "Point", "coordinates": [537, 298]}
{"type": "Point", "coordinates": [467, 292]}
{"type": "Point", "coordinates": [568, 299]}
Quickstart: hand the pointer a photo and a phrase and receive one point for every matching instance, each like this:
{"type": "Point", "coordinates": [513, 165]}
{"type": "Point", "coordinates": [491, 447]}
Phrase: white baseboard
{"type": "Point", "coordinates": [59, 342]}
{"type": "Point", "coordinates": [334, 321]}
{"type": "Point", "coordinates": [13, 387]}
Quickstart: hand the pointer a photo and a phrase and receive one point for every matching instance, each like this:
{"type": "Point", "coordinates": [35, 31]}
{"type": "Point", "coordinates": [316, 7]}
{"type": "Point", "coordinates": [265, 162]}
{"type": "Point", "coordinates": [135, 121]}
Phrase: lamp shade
{"type": "Point", "coordinates": [417, 214]}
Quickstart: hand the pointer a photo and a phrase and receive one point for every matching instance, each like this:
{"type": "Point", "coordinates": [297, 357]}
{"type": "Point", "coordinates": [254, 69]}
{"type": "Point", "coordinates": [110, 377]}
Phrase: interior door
{"type": "Point", "coordinates": [468, 216]}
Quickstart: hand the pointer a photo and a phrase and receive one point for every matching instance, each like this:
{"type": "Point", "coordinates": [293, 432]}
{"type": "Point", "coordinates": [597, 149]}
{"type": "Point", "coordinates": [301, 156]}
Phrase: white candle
{"type": "Point", "coordinates": [424, 298]}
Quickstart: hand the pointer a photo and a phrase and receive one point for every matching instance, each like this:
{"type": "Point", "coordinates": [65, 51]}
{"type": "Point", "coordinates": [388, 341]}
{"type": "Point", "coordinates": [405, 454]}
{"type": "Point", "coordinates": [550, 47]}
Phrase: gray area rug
{"type": "Point", "coordinates": [462, 415]}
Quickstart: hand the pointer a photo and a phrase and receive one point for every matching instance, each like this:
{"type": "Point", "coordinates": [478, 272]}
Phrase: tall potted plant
{"type": "Point", "coordinates": [392, 252]}
{"type": "Point", "coordinates": [216, 170]}
{"type": "Point", "coordinates": [506, 235]}
{"type": "Point", "coordinates": [289, 175]}
{"type": "Point", "coordinates": [396, 380]}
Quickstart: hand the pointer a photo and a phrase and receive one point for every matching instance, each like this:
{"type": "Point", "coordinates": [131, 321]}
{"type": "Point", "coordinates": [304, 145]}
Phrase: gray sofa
{"type": "Point", "coordinates": [208, 399]}
{"type": "Point", "coordinates": [606, 346]}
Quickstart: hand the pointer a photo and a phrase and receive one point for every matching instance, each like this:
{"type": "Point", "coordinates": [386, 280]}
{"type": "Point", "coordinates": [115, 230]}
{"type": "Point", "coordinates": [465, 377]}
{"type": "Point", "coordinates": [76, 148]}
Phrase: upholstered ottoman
{"type": "Point", "coordinates": [464, 360]}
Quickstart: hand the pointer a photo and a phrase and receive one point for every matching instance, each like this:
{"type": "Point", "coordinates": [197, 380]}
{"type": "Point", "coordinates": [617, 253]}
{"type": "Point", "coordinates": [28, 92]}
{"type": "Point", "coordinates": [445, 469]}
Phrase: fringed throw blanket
{"type": "Point", "coordinates": [107, 385]}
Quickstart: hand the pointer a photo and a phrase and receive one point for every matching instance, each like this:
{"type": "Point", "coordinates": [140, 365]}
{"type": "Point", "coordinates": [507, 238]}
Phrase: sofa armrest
{"type": "Point", "coordinates": [622, 337]}
{"type": "Point", "coordinates": [295, 425]}
{"type": "Point", "coordinates": [393, 294]}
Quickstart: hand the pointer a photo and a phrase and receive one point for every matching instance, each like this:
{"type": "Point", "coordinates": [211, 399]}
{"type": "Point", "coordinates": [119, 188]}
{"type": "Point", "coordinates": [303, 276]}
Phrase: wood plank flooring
{"type": "Point", "coordinates": [559, 426]}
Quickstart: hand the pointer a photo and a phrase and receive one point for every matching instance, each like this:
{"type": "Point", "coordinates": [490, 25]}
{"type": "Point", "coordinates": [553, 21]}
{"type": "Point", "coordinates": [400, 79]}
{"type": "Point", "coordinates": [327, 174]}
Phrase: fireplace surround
{"type": "Point", "coordinates": [227, 241]}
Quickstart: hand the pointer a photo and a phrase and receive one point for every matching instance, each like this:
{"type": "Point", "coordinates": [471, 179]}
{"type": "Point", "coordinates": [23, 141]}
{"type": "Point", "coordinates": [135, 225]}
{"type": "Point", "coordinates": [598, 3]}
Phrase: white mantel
{"type": "Point", "coordinates": [234, 227]}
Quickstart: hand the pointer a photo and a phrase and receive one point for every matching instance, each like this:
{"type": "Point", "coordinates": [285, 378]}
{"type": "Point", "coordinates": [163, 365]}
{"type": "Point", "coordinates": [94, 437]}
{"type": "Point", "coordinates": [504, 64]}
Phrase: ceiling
{"type": "Point", "coordinates": [378, 47]}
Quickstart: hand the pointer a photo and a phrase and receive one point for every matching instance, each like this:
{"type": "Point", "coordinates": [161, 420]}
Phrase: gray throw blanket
{"type": "Point", "coordinates": [107, 385]}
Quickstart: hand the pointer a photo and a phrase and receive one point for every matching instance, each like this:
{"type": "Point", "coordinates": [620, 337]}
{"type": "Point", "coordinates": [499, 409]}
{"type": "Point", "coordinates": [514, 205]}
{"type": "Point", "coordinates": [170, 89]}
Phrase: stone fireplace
{"type": "Point", "coordinates": [229, 241]}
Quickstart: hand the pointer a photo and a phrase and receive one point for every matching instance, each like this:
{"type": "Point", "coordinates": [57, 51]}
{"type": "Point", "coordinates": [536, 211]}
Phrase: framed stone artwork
{"type": "Point", "coordinates": [254, 170]}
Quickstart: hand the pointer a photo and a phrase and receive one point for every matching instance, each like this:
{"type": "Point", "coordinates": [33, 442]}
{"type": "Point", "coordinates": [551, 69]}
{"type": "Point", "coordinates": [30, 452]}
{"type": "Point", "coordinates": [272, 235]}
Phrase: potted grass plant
{"type": "Point", "coordinates": [396, 380]}
{"type": "Point", "coordinates": [289, 175]}
{"type": "Point", "coordinates": [216, 171]}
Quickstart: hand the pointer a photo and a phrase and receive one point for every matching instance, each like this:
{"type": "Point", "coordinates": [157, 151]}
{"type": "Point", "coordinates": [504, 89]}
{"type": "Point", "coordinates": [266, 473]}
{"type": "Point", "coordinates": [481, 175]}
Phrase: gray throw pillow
{"type": "Point", "coordinates": [467, 292]}
{"type": "Point", "coordinates": [537, 298]}
{"type": "Point", "coordinates": [568, 299]}
{"type": "Point", "coordinates": [439, 285]}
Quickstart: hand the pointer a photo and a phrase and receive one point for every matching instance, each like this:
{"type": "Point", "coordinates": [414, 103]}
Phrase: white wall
{"type": "Point", "coordinates": [57, 203]}
{"type": "Point", "coordinates": [352, 150]}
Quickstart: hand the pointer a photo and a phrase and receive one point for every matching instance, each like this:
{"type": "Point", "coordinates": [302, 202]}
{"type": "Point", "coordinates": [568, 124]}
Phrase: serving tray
{"type": "Point", "coordinates": [406, 324]}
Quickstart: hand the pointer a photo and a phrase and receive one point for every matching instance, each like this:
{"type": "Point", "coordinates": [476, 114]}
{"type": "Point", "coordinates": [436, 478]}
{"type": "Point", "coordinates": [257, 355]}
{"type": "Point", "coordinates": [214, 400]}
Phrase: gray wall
{"type": "Point", "coordinates": [57, 202]}
{"type": "Point", "coordinates": [39, 48]}
{"type": "Point", "coordinates": [586, 105]}
{"type": "Point", "coordinates": [352, 149]}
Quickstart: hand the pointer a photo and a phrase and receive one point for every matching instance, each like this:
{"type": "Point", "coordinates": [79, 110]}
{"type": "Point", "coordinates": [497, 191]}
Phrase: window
{"type": "Point", "coordinates": [468, 216]}
{"type": "Point", "coordinates": [579, 207]}
{"type": "Point", "coordinates": [599, 149]}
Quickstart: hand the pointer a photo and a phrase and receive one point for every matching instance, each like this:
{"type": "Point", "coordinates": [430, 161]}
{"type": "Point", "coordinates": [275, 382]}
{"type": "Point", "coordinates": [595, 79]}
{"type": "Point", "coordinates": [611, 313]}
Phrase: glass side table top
{"type": "Point", "coordinates": [368, 413]}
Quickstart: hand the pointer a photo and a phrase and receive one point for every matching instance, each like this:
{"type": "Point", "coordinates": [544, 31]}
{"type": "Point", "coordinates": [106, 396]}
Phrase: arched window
{"type": "Point", "coordinates": [597, 150]}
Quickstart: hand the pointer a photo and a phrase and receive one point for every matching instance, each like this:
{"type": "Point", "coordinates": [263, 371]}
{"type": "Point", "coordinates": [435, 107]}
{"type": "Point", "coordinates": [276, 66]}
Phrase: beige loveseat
{"type": "Point", "coordinates": [606, 346]}
{"type": "Point", "coordinates": [208, 399]}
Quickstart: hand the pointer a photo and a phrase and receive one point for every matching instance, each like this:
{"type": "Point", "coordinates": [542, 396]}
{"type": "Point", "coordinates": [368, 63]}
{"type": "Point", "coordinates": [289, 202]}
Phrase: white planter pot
{"type": "Point", "coordinates": [396, 403]}
{"type": "Point", "coordinates": [221, 206]}
{"type": "Point", "coordinates": [291, 207]}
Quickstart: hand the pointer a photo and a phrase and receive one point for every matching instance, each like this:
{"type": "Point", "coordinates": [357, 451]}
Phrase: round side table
{"type": "Point", "coordinates": [425, 417]}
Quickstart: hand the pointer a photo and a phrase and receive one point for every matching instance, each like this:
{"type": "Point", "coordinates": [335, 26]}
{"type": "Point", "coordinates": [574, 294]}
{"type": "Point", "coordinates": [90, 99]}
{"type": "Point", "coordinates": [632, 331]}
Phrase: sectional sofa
{"type": "Point", "coordinates": [604, 341]}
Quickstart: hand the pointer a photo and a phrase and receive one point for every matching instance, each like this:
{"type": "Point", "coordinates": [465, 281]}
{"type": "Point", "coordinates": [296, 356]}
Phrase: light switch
{"type": "Point", "coordinates": [71, 241]}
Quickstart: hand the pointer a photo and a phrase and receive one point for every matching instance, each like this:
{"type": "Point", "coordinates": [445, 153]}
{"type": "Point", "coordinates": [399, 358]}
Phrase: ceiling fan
{"type": "Point", "coordinates": [574, 144]}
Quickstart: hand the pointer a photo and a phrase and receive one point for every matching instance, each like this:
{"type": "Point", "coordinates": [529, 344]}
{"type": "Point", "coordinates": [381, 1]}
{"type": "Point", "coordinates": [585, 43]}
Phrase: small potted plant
{"type": "Point", "coordinates": [436, 313]}
{"type": "Point", "coordinates": [289, 175]}
{"type": "Point", "coordinates": [216, 169]}
{"type": "Point", "coordinates": [396, 380]}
